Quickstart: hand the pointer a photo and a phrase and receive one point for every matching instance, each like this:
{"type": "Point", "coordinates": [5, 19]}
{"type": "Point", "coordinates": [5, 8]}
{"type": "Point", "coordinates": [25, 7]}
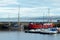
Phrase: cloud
{"type": "Point", "coordinates": [11, 12]}
{"type": "Point", "coordinates": [24, 12]}
{"type": "Point", "coordinates": [39, 11]}
{"type": "Point", "coordinates": [40, 3]}
{"type": "Point", "coordinates": [8, 10]}
{"type": "Point", "coordinates": [8, 2]}
{"type": "Point", "coordinates": [28, 12]}
{"type": "Point", "coordinates": [32, 12]}
{"type": "Point", "coordinates": [29, 8]}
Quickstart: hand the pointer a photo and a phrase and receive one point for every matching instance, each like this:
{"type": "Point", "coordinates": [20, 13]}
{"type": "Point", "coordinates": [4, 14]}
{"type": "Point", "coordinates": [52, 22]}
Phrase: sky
{"type": "Point", "coordinates": [29, 8]}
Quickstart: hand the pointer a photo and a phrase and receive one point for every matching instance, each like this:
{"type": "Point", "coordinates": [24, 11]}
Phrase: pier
{"type": "Point", "coordinates": [13, 26]}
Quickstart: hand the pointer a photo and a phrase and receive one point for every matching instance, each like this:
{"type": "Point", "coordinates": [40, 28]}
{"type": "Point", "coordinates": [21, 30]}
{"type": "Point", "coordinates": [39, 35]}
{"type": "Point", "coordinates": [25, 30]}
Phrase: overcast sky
{"type": "Point", "coordinates": [29, 8]}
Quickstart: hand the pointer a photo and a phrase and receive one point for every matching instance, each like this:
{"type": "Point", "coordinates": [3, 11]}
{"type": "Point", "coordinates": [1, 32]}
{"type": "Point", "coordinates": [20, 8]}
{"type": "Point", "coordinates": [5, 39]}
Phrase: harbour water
{"type": "Point", "coordinates": [14, 35]}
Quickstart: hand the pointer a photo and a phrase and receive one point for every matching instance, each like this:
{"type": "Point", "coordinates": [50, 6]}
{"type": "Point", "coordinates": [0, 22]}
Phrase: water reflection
{"type": "Point", "coordinates": [27, 36]}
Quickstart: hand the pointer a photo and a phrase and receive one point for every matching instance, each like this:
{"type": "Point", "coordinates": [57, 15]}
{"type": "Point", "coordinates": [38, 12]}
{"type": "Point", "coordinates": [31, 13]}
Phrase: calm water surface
{"type": "Point", "coordinates": [27, 36]}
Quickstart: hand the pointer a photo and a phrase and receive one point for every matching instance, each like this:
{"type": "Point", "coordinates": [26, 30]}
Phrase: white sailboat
{"type": "Point", "coordinates": [44, 31]}
{"type": "Point", "coordinates": [49, 30]}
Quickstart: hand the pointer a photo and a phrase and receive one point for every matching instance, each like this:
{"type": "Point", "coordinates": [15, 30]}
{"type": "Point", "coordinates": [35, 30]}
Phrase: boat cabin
{"type": "Point", "coordinates": [39, 26]}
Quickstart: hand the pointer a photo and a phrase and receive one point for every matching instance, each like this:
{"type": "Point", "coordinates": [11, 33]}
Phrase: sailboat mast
{"type": "Point", "coordinates": [48, 15]}
{"type": "Point", "coordinates": [50, 19]}
{"type": "Point", "coordinates": [19, 17]}
{"type": "Point", "coordinates": [43, 17]}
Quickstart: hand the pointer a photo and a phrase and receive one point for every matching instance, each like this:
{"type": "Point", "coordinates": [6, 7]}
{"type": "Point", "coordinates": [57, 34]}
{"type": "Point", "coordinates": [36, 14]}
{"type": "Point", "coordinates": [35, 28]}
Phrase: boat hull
{"type": "Point", "coordinates": [41, 32]}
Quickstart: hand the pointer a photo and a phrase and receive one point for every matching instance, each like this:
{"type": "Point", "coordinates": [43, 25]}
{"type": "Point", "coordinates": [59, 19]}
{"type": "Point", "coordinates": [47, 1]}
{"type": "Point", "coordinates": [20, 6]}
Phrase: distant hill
{"type": "Point", "coordinates": [29, 19]}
